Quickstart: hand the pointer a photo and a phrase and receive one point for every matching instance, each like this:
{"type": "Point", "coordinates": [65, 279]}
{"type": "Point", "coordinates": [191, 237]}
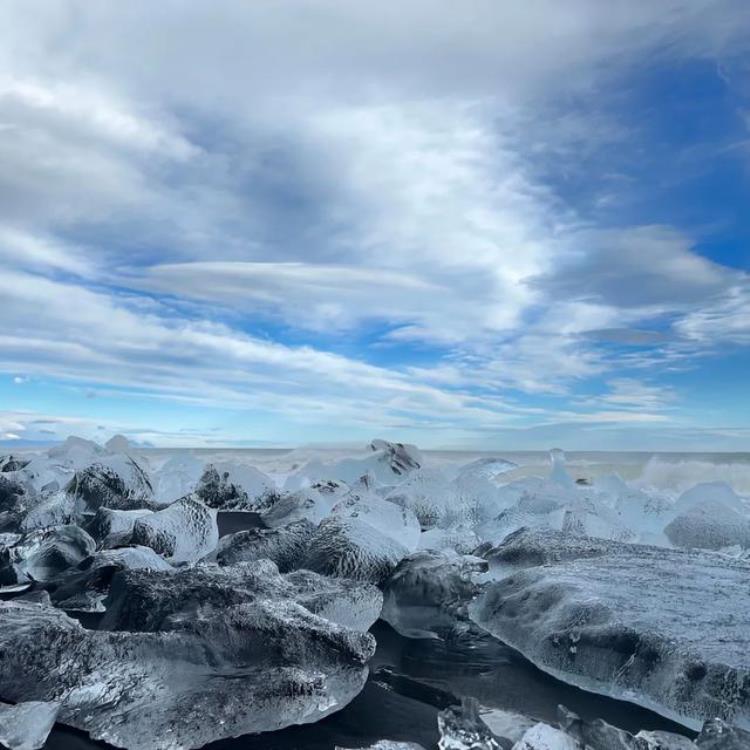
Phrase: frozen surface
{"type": "Point", "coordinates": [400, 524]}
{"type": "Point", "coordinates": [183, 532]}
{"type": "Point", "coordinates": [25, 726]}
{"type": "Point", "coordinates": [233, 486]}
{"type": "Point", "coordinates": [429, 592]}
{"type": "Point", "coordinates": [251, 667]}
{"type": "Point", "coordinates": [287, 546]}
{"type": "Point", "coordinates": [149, 600]}
{"type": "Point", "coordinates": [627, 620]}
{"type": "Point", "coordinates": [43, 554]}
{"type": "Point", "coordinates": [352, 548]}
{"type": "Point", "coordinates": [461, 728]}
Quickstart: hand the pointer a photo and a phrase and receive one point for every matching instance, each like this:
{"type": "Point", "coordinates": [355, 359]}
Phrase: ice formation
{"type": "Point", "coordinates": [251, 667]}
{"type": "Point", "coordinates": [26, 726]}
{"type": "Point", "coordinates": [183, 532]}
{"type": "Point", "coordinates": [619, 588]}
{"type": "Point", "coordinates": [625, 620]}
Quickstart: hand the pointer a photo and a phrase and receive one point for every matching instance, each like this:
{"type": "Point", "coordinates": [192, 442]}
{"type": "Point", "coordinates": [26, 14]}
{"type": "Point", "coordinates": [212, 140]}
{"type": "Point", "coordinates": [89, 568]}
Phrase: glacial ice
{"type": "Point", "coordinates": [43, 554]}
{"type": "Point", "coordinates": [352, 548]}
{"type": "Point", "coordinates": [461, 728]}
{"type": "Point", "coordinates": [626, 620]}
{"type": "Point", "coordinates": [387, 463]}
{"type": "Point", "coordinates": [185, 531]}
{"type": "Point", "coordinates": [287, 546]}
{"type": "Point", "coordinates": [400, 524]}
{"type": "Point", "coordinates": [429, 592]}
{"type": "Point", "coordinates": [230, 486]}
{"type": "Point", "coordinates": [252, 667]}
{"type": "Point", "coordinates": [26, 726]}
{"type": "Point", "coordinates": [143, 599]}
{"type": "Point", "coordinates": [113, 528]}
{"type": "Point", "coordinates": [312, 504]}
{"type": "Point", "coordinates": [201, 638]}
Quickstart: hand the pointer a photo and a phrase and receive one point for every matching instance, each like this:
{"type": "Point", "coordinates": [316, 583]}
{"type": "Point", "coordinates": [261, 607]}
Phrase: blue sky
{"type": "Point", "coordinates": [490, 225]}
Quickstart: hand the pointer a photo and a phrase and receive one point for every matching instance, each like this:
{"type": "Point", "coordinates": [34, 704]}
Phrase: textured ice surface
{"type": "Point", "coordinates": [116, 481]}
{"type": "Point", "coordinates": [312, 504]}
{"type": "Point", "coordinates": [25, 726]}
{"type": "Point", "coordinates": [461, 728]}
{"type": "Point", "coordinates": [630, 621]}
{"type": "Point", "coordinates": [352, 548]}
{"type": "Point", "coordinates": [252, 667]}
{"type": "Point", "coordinates": [84, 588]}
{"type": "Point", "coordinates": [231, 486]}
{"type": "Point", "coordinates": [184, 532]}
{"type": "Point", "coordinates": [287, 546]}
{"type": "Point", "coordinates": [387, 463]}
{"type": "Point", "coordinates": [717, 735]}
{"type": "Point", "coordinates": [429, 591]}
{"type": "Point", "coordinates": [387, 745]}
{"type": "Point", "coordinates": [110, 528]}
{"type": "Point", "coordinates": [400, 524]}
{"type": "Point", "coordinates": [149, 600]}
{"type": "Point", "coordinates": [544, 737]}
{"type": "Point", "coordinates": [43, 554]}
{"type": "Point", "coordinates": [709, 524]}
{"type": "Point", "coordinates": [177, 477]}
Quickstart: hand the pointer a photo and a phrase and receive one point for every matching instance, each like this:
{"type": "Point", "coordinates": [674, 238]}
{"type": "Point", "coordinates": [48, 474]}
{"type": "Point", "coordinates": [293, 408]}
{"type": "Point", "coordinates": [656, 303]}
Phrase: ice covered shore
{"type": "Point", "coordinates": [625, 590]}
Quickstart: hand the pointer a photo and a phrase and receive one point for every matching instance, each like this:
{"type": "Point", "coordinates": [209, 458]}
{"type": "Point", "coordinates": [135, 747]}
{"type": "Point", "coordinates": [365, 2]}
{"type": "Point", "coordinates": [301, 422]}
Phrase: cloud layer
{"type": "Point", "coordinates": [343, 219]}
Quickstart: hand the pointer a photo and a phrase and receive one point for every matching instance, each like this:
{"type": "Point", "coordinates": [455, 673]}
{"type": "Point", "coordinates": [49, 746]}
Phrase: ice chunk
{"type": "Point", "coordinates": [626, 620]}
{"type": "Point", "coordinates": [25, 726]}
{"type": "Point", "coordinates": [183, 532]}
{"type": "Point", "coordinates": [12, 463]}
{"type": "Point", "coordinates": [461, 539]}
{"type": "Point", "coordinates": [286, 546]}
{"type": "Point", "coordinates": [390, 519]}
{"type": "Point", "coordinates": [719, 492]}
{"type": "Point", "coordinates": [311, 504]}
{"type": "Point", "coordinates": [229, 486]}
{"type": "Point", "coordinates": [178, 476]}
{"type": "Point", "coordinates": [252, 667]}
{"type": "Point", "coordinates": [54, 509]}
{"type": "Point", "coordinates": [718, 735]}
{"type": "Point", "coordinates": [119, 483]}
{"type": "Point", "coordinates": [111, 528]}
{"type": "Point", "coordinates": [84, 588]}
{"type": "Point", "coordinates": [386, 463]}
{"type": "Point", "coordinates": [43, 554]}
{"type": "Point", "coordinates": [461, 728]}
{"type": "Point", "coordinates": [709, 524]}
{"type": "Point", "coordinates": [487, 468]}
{"type": "Point", "coordinates": [544, 737]}
{"type": "Point", "coordinates": [351, 548]}
{"type": "Point", "coordinates": [429, 591]}
{"type": "Point", "coordinates": [148, 600]}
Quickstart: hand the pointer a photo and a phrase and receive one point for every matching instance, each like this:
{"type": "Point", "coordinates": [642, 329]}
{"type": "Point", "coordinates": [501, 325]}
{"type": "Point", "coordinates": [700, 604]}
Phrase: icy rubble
{"type": "Point", "coordinates": [26, 726]}
{"type": "Point", "coordinates": [579, 593]}
{"type": "Point", "coordinates": [626, 620]}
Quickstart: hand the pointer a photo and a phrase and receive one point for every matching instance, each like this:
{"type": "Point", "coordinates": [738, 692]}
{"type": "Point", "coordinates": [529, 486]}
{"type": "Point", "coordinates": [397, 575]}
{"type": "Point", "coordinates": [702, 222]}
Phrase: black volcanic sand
{"type": "Point", "coordinates": [411, 681]}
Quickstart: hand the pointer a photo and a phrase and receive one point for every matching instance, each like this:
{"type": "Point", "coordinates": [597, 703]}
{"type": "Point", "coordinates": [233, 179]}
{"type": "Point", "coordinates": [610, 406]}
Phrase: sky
{"type": "Point", "coordinates": [482, 225]}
